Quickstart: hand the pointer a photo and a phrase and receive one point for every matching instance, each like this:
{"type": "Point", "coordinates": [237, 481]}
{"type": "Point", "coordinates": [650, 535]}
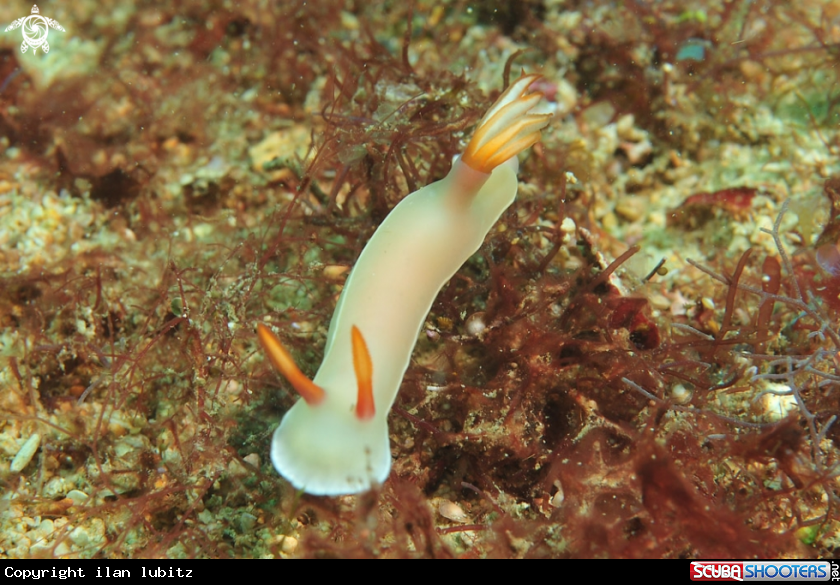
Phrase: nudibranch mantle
{"type": "Point", "coordinates": [335, 440]}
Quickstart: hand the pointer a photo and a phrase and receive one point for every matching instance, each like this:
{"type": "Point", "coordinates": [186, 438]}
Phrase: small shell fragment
{"type": "Point", "coordinates": [26, 453]}
{"type": "Point", "coordinates": [78, 497]}
{"type": "Point", "coordinates": [476, 324]}
{"type": "Point", "coordinates": [680, 394]}
{"type": "Point", "coordinates": [334, 271]}
{"type": "Point", "coordinates": [557, 499]}
{"type": "Point", "coordinates": [289, 544]}
{"type": "Point", "coordinates": [451, 511]}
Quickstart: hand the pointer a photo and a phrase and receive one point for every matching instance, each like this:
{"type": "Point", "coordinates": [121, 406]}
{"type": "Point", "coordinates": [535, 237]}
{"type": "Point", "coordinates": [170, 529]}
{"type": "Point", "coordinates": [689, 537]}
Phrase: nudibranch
{"type": "Point", "coordinates": [335, 440]}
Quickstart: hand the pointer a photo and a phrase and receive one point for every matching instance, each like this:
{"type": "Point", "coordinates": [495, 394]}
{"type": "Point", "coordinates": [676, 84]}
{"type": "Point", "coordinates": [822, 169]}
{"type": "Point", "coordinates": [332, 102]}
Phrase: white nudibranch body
{"type": "Point", "coordinates": [335, 440]}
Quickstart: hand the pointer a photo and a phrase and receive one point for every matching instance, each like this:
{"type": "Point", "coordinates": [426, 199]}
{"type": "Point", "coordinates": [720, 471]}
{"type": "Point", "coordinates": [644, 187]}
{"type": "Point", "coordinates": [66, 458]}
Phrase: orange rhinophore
{"type": "Point", "coordinates": [363, 366]}
{"type": "Point", "coordinates": [282, 360]}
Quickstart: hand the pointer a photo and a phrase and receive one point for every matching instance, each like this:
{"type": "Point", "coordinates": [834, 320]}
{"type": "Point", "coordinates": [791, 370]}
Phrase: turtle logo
{"type": "Point", "coordinates": [35, 29]}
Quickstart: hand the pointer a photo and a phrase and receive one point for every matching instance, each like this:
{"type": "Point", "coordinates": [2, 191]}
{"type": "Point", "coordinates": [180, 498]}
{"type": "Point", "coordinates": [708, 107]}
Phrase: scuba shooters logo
{"type": "Point", "coordinates": [764, 571]}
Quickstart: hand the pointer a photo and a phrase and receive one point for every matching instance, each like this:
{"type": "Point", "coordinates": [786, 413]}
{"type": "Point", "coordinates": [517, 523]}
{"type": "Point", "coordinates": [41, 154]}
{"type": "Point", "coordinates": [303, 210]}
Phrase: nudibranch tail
{"type": "Point", "coordinates": [362, 364]}
{"type": "Point", "coordinates": [283, 362]}
{"type": "Point", "coordinates": [507, 128]}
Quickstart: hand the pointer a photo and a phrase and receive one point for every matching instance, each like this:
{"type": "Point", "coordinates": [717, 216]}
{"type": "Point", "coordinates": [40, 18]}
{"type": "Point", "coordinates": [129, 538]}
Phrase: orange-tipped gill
{"type": "Point", "coordinates": [507, 128]}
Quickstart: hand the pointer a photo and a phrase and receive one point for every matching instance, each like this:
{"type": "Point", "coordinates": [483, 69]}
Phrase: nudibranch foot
{"type": "Point", "coordinates": [507, 128]}
{"type": "Point", "coordinates": [329, 452]}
